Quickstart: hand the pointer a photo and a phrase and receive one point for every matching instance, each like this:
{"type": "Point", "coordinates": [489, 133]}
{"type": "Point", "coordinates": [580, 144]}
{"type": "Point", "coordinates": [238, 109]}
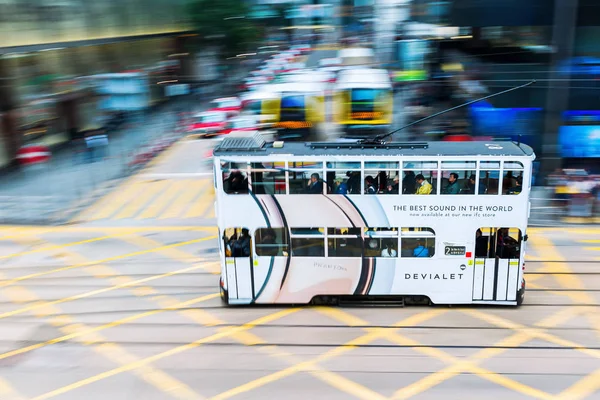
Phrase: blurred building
{"type": "Point", "coordinates": [45, 47]}
{"type": "Point", "coordinates": [504, 43]}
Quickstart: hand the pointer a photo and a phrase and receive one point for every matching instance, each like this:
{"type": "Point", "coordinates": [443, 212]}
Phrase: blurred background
{"type": "Point", "coordinates": [92, 91]}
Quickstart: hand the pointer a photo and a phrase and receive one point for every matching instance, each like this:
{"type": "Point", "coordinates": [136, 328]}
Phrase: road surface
{"type": "Point", "coordinates": [123, 304]}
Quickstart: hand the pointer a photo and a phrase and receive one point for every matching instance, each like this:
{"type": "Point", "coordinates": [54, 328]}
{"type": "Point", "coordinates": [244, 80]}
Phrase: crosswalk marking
{"type": "Point", "coordinates": [184, 201]}
{"type": "Point", "coordinates": [160, 199]}
{"type": "Point", "coordinates": [118, 200]}
{"type": "Point", "coordinates": [163, 200]}
{"type": "Point", "coordinates": [131, 209]}
{"type": "Point", "coordinates": [200, 207]}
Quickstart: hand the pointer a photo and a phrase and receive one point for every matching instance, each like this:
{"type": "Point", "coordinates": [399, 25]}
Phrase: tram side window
{"type": "Point", "coordinates": [235, 179]}
{"type": "Point", "coordinates": [489, 176]}
{"type": "Point", "coordinates": [343, 177]}
{"type": "Point", "coordinates": [308, 242]}
{"type": "Point", "coordinates": [497, 242]}
{"type": "Point", "coordinates": [268, 178]}
{"type": "Point", "coordinates": [272, 242]}
{"type": "Point", "coordinates": [417, 242]}
{"type": "Point", "coordinates": [512, 179]}
{"type": "Point", "coordinates": [237, 242]}
{"type": "Point", "coordinates": [455, 177]}
{"type": "Point", "coordinates": [420, 177]}
{"type": "Point", "coordinates": [382, 178]}
{"type": "Point", "coordinates": [344, 242]}
{"type": "Point", "coordinates": [306, 178]}
{"type": "Point", "coordinates": [381, 242]}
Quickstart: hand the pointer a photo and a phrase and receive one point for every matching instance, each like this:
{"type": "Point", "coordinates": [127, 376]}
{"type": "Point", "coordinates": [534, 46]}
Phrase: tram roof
{"type": "Point", "coordinates": [256, 146]}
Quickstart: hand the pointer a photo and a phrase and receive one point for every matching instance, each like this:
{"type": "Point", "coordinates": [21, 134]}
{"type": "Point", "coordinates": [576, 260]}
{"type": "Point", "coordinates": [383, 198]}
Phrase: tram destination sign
{"type": "Point", "coordinates": [455, 250]}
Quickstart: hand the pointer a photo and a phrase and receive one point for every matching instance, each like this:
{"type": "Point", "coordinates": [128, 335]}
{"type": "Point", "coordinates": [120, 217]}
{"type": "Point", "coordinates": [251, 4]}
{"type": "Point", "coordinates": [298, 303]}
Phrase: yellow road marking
{"type": "Point", "coordinates": [169, 193]}
{"type": "Point", "coordinates": [133, 207]}
{"type": "Point", "coordinates": [457, 366]}
{"type": "Point", "coordinates": [104, 260]}
{"type": "Point", "coordinates": [64, 319]}
{"type": "Point", "coordinates": [308, 365]}
{"type": "Point", "coordinates": [39, 230]}
{"type": "Point", "coordinates": [7, 392]}
{"type": "Point", "coordinates": [119, 355]}
{"type": "Point", "coordinates": [567, 280]}
{"type": "Point", "coordinates": [98, 291]}
{"type": "Point", "coordinates": [118, 199]}
{"type": "Point", "coordinates": [592, 248]}
{"type": "Point", "coordinates": [584, 388]}
{"type": "Point", "coordinates": [200, 208]}
{"type": "Point", "coordinates": [179, 349]}
{"type": "Point", "coordinates": [54, 247]}
{"type": "Point", "coordinates": [184, 202]}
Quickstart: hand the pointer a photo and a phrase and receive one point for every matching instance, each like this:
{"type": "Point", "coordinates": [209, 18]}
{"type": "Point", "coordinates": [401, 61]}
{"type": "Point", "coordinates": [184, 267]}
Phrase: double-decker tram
{"type": "Point", "coordinates": [437, 222]}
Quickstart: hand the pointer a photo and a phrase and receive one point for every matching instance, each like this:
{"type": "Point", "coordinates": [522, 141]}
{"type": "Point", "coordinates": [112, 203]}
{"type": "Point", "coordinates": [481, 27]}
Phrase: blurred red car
{"type": "Point", "coordinates": [241, 124]}
{"type": "Point", "coordinates": [209, 123]}
{"type": "Point", "coordinates": [229, 105]}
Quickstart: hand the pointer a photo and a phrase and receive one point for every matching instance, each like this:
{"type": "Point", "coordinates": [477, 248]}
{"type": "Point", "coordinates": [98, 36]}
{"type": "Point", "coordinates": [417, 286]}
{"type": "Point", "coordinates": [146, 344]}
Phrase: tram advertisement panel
{"type": "Point", "coordinates": [298, 276]}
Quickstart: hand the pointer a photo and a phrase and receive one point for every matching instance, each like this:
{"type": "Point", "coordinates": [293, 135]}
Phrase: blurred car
{"type": "Point", "coordinates": [241, 124]}
{"type": "Point", "coordinates": [229, 105]}
{"type": "Point", "coordinates": [209, 123]}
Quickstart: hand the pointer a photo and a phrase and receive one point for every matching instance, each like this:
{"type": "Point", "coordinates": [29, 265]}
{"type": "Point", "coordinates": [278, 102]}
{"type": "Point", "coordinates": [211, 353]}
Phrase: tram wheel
{"type": "Point", "coordinates": [521, 295]}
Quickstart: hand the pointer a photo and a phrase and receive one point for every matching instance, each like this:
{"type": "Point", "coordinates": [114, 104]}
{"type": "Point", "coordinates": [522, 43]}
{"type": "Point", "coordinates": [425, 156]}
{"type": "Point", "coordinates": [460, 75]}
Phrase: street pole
{"type": "Point", "coordinates": [565, 19]}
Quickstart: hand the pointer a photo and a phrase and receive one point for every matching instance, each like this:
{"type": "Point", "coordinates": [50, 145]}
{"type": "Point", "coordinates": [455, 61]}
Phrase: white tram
{"type": "Point", "coordinates": [438, 222]}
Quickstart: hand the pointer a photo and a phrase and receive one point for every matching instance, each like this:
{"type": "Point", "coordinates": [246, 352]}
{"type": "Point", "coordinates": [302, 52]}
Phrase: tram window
{"type": "Point", "coordinates": [268, 178]}
{"type": "Point", "coordinates": [308, 247]}
{"type": "Point", "coordinates": [417, 242]}
{"type": "Point", "coordinates": [306, 178]}
{"type": "Point", "coordinates": [343, 177]}
{"type": "Point", "coordinates": [381, 242]}
{"type": "Point", "coordinates": [271, 242]}
{"type": "Point", "coordinates": [497, 242]}
{"type": "Point", "coordinates": [235, 178]}
{"type": "Point", "coordinates": [512, 182]}
{"type": "Point", "coordinates": [456, 182]}
{"type": "Point", "coordinates": [490, 180]}
{"type": "Point", "coordinates": [237, 242]}
{"type": "Point", "coordinates": [344, 247]}
{"type": "Point", "coordinates": [382, 177]}
{"type": "Point", "coordinates": [420, 182]}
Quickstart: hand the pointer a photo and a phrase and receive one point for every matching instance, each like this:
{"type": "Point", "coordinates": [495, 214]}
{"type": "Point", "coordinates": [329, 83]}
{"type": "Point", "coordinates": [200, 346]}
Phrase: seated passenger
{"type": "Point", "coordinates": [471, 186]}
{"type": "Point", "coordinates": [420, 250]}
{"type": "Point", "coordinates": [370, 185]}
{"type": "Point", "coordinates": [395, 186]}
{"type": "Point", "coordinates": [389, 250]}
{"type": "Point", "coordinates": [517, 188]}
{"type": "Point", "coordinates": [452, 187]}
{"type": "Point", "coordinates": [423, 187]}
{"type": "Point", "coordinates": [316, 184]}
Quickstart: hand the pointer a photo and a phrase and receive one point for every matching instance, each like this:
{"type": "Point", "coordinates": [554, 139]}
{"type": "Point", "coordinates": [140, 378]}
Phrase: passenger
{"type": "Point", "coordinates": [241, 247]}
{"type": "Point", "coordinates": [341, 187]}
{"type": "Point", "coordinates": [452, 187]}
{"type": "Point", "coordinates": [409, 185]}
{"type": "Point", "coordinates": [518, 186]}
{"type": "Point", "coordinates": [237, 182]}
{"type": "Point", "coordinates": [471, 186]}
{"type": "Point", "coordinates": [389, 250]}
{"type": "Point", "coordinates": [394, 188]}
{"type": "Point", "coordinates": [370, 185]}
{"type": "Point", "coordinates": [506, 246]}
{"type": "Point", "coordinates": [481, 244]}
{"type": "Point", "coordinates": [420, 250]}
{"type": "Point", "coordinates": [353, 182]}
{"type": "Point", "coordinates": [424, 187]}
{"type": "Point", "coordinates": [316, 184]}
